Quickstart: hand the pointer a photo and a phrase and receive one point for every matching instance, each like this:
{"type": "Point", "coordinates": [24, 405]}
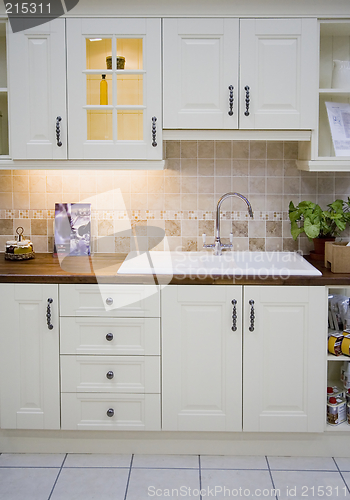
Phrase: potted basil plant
{"type": "Point", "coordinates": [319, 225]}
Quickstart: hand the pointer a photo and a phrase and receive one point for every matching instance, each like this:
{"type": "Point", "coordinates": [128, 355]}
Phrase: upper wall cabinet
{"type": "Point", "coordinates": [277, 64]}
{"type": "Point", "coordinates": [37, 92]}
{"type": "Point", "coordinates": [114, 88]}
{"type": "Point", "coordinates": [200, 73]}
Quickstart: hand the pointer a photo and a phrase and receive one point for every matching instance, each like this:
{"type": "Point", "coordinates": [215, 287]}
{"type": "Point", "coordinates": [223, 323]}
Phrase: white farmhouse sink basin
{"type": "Point", "coordinates": [283, 264]}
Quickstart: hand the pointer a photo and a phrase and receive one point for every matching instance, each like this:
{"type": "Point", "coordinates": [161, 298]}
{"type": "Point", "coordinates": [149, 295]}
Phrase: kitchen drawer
{"type": "Point", "coordinates": [110, 300]}
{"type": "Point", "coordinates": [126, 374]}
{"type": "Point", "coordinates": [86, 411]}
{"type": "Point", "coordinates": [110, 336]}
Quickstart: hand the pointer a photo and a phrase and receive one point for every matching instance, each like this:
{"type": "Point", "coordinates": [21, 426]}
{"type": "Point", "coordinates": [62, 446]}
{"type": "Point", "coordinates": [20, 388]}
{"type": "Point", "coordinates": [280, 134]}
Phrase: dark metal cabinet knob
{"type": "Point", "coordinates": [110, 375]}
{"type": "Point", "coordinates": [48, 314]}
{"type": "Point", "coordinates": [109, 337]}
{"type": "Point", "coordinates": [110, 412]}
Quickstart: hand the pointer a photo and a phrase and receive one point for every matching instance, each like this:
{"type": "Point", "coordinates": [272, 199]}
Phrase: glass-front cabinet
{"type": "Point", "coordinates": [114, 88]}
{"type": "Point", "coordinates": [4, 142]}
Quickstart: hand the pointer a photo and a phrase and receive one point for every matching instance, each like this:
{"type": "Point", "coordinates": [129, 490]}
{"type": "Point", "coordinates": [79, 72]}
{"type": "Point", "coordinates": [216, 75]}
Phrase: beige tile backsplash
{"type": "Point", "coordinates": [179, 201]}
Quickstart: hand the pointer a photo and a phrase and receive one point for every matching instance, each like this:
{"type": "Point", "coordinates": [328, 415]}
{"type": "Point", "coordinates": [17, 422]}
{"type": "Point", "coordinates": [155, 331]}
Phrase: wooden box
{"type": "Point", "coordinates": [337, 257]}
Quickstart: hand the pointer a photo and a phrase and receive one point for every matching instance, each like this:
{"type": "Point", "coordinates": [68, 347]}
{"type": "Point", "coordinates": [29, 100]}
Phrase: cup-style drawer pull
{"type": "Point", "coordinates": [110, 412]}
{"type": "Point", "coordinates": [109, 337]}
{"type": "Point", "coordinates": [109, 301]}
{"type": "Point", "coordinates": [110, 375]}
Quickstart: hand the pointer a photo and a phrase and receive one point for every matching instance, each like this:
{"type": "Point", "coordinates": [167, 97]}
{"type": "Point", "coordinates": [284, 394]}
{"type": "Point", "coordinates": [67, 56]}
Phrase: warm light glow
{"type": "Point", "coordinates": [95, 39]}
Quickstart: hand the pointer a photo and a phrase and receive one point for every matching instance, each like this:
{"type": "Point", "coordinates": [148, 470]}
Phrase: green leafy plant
{"type": "Point", "coordinates": [309, 218]}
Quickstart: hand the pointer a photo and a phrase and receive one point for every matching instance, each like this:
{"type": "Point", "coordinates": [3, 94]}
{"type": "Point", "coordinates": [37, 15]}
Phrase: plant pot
{"type": "Point", "coordinates": [319, 245]}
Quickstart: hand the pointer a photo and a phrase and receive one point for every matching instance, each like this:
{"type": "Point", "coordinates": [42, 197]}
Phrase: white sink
{"type": "Point", "coordinates": [282, 264]}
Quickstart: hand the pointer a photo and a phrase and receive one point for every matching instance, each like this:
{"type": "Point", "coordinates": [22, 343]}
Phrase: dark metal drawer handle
{"type": "Point", "coordinates": [58, 131]}
{"type": "Point", "coordinates": [109, 337]}
{"type": "Point", "coordinates": [234, 315]}
{"type": "Point", "coordinates": [247, 100]}
{"type": "Point", "coordinates": [48, 314]}
{"type": "Point", "coordinates": [252, 315]}
{"type": "Point", "coordinates": [110, 375]}
{"type": "Point", "coordinates": [154, 132]}
{"type": "Point", "coordinates": [230, 100]}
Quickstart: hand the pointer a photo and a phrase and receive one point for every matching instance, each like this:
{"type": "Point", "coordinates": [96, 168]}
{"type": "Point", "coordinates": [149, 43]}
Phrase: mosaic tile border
{"type": "Point", "coordinates": [136, 215]}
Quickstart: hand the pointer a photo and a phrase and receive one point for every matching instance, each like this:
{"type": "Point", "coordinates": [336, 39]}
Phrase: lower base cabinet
{"type": "Point", "coordinates": [29, 356]}
{"type": "Point", "coordinates": [244, 357]}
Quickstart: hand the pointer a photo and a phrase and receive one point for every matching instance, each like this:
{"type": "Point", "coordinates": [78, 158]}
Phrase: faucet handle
{"type": "Point", "coordinates": [204, 236]}
{"type": "Point", "coordinates": [231, 238]}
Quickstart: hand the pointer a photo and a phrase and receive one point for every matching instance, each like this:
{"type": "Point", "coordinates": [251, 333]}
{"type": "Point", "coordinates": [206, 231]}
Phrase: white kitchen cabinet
{"type": "Point", "coordinates": [123, 121]}
{"type": "Point", "coordinates": [200, 63]}
{"type": "Point", "coordinates": [334, 44]}
{"type": "Point", "coordinates": [29, 357]}
{"type": "Point", "coordinates": [280, 387]}
{"type": "Point", "coordinates": [276, 87]}
{"type": "Point", "coordinates": [110, 357]}
{"type": "Point", "coordinates": [37, 92]}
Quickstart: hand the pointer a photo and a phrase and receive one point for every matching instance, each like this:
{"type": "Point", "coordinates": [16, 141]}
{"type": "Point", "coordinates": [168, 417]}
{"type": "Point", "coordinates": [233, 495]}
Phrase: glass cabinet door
{"type": "Point", "coordinates": [114, 88]}
{"type": "Point", "coordinates": [4, 141]}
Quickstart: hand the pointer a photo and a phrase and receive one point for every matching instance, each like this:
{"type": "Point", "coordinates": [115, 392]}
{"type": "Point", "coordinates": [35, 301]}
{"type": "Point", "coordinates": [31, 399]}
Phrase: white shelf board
{"type": "Point", "coordinates": [7, 164]}
{"type": "Point", "coordinates": [330, 164]}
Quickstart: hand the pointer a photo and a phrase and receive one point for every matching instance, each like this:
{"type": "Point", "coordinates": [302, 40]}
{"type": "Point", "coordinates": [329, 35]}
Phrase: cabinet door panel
{"type": "Point", "coordinates": [279, 64]}
{"type": "Point", "coordinates": [200, 62]}
{"type": "Point", "coordinates": [201, 359]}
{"type": "Point", "coordinates": [37, 80]}
{"type": "Point", "coordinates": [284, 359]}
{"type": "Point", "coordinates": [29, 354]}
{"type": "Point", "coordinates": [120, 127]}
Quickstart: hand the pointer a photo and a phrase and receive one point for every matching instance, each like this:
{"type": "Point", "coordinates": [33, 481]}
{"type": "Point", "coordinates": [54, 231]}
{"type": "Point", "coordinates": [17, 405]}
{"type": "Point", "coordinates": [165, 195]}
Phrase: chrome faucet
{"type": "Point", "coordinates": [217, 245]}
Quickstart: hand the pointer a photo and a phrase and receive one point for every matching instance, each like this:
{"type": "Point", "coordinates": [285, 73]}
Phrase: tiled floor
{"type": "Point", "coordinates": [140, 477]}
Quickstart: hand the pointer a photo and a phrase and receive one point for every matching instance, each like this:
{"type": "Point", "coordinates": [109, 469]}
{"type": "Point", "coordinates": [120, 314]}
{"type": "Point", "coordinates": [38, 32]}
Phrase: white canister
{"type": "Point", "coordinates": [341, 74]}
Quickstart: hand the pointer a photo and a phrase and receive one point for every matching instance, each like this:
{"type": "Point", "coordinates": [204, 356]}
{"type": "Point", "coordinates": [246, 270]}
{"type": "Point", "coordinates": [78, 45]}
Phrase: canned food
{"type": "Point", "coordinates": [333, 391]}
{"type": "Point", "coordinates": [334, 343]}
{"type": "Point", "coordinates": [345, 345]}
{"type": "Point", "coordinates": [336, 411]}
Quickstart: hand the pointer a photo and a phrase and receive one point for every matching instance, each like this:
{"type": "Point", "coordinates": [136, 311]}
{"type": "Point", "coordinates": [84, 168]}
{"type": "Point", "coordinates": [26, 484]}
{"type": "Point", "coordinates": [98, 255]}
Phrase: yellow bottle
{"type": "Point", "coordinates": [103, 91]}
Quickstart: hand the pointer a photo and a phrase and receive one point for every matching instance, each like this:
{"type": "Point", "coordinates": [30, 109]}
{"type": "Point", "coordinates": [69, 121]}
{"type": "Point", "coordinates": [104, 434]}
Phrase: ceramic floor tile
{"type": "Point", "coordinates": [343, 463]}
{"type": "Point", "coordinates": [302, 463]}
{"type": "Point", "coordinates": [236, 484]}
{"type": "Point", "coordinates": [163, 483]}
{"type": "Point", "coordinates": [308, 484]}
{"type": "Point", "coordinates": [233, 462]}
{"type": "Point", "coordinates": [31, 460]}
{"type": "Point", "coordinates": [91, 484]}
{"type": "Point", "coordinates": [166, 461]}
{"type": "Point", "coordinates": [27, 483]}
{"type": "Point", "coordinates": [97, 460]}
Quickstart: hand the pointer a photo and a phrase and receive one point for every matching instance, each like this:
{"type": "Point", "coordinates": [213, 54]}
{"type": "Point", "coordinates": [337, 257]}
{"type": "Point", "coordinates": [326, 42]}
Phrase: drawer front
{"type": "Point", "coordinates": [110, 374]}
{"type": "Point", "coordinates": [110, 336]}
{"type": "Point", "coordinates": [110, 300]}
{"type": "Point", "coordinates": [129, 411]}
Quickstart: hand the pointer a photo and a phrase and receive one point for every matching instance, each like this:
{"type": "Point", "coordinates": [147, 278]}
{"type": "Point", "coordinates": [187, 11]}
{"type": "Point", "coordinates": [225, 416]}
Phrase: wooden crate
{"type": "Point", "coordinates": [337, 257]}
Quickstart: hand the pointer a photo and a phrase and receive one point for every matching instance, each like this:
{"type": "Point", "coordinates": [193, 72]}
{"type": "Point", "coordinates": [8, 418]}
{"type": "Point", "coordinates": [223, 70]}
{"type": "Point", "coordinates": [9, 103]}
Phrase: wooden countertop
{"type": "Point", "coordinates": [102, 268]}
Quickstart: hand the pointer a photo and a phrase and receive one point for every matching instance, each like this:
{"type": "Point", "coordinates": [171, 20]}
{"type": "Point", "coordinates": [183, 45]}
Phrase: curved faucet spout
{"type": "Point", "coordinates": [217, 244]}
{"type": "Point", "coordinates": [218, 207]}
